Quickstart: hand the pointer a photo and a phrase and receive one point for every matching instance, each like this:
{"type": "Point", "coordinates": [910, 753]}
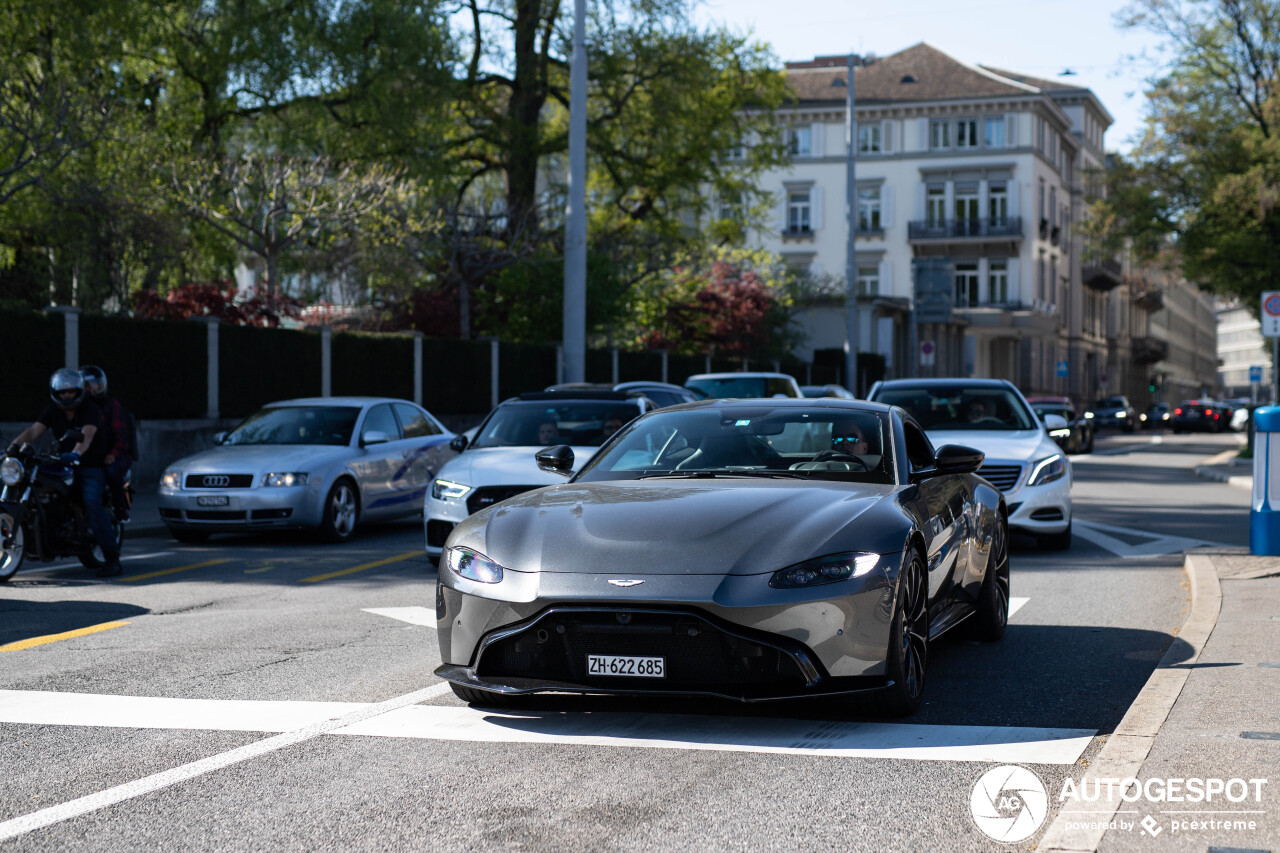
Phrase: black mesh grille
{"type": "Point", "coordinates": [1003, 477]}
{"type": "Point", "coordinates": [438, 532]}
{"type": "Point", "coordinates": [219, 481]}
{"type": "Point", "coordinates": [215, 515]}
{"type": "Point", "coordinates": [268, 514]}
{"type": "Point", "coordinates": [1047, 514]}
{"type": "Point", "coordinates": [490, 495]}
{"type": "Point", "coordinates": [699, 656]}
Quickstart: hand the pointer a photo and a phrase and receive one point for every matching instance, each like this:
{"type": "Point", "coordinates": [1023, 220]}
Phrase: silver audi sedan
{"type": "Point", "coordinates": [324, 463]}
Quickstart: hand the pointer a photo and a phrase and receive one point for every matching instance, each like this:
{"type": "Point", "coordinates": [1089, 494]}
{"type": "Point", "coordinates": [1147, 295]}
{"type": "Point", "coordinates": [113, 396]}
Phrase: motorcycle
{"type": "Point", "coordinates": [41, 516]}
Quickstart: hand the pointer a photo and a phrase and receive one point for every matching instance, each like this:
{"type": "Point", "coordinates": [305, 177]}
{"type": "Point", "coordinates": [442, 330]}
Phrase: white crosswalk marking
{"type": "Point", "coordinates": [1154, 544]}
{"type": "Point", "coordinates": [1015, 604]}
{"type": "Point", "coordinates": [661, 731]}
{"type": "Point", "coordinates": [413, 615]}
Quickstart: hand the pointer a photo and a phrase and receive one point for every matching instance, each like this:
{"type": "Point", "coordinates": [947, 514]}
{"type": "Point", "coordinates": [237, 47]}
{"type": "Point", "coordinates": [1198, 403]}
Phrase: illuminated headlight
{"type": "Point", "coordinates": [1122, 414]}
{"type": "Point", "coordinates": [1089, 415]}
{"type": "Point", "coordinates": [445, 490]}
{"type": "Point", "coordinates": [284, 479]}
{"type": "Point", "coordinates": [11, 472]}
{"type": "Point", "coordinates": [473, 565]}
{"type": "Point", "coordinates": [1048, 470]}
{"type": "Point", "coordinates": [1065, 432]}
{"type": "Point", "coordinates": [830, 569]}
{"type": "Point", "coordinates": [171, 480]}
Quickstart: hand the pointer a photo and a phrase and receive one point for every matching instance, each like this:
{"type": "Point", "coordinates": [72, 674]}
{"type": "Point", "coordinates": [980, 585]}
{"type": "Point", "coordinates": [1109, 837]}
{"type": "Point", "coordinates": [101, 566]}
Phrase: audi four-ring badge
{"type": "Point", "coordinates": [321, 463]}
{"type": "Point", "coordinates": [751, 549]}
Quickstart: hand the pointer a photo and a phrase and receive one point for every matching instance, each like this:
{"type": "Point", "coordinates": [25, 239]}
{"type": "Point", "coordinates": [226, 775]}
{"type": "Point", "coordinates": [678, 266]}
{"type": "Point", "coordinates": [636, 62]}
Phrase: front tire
{"type": "Point", "coordinates": [94, 558]}
{"type": "Point", "coordinates": [11, 556]}
{"type": "Point", "coordinates": [992, 616]}
{"type": "Point", "coordinates": [908, 655]}
{"type": "Point", "coordinates": [341, 512]}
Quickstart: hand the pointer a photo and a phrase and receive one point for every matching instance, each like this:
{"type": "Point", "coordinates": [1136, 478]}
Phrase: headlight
{"type": "Point", "coordinates": [1088, 414]}
{"type": "Point", "coordinates": [473, 565]}
{"type": "Point", "coordinates": [829, 569]}
{"type": "Point", "coordinates": [284, 479]}
{"type": "Point", "coordinates": [445, 490]}
{"type": "Point", "coordinates": [1048, 470]}
{"type": "Point", "coordinates": [1065, 432]}
{"type": "Point", "coordinates": [1122, 414]}
{"type": "Point", "coordinates": [11, 472]}
{"type": "Point", "coordinates": [171, 480]}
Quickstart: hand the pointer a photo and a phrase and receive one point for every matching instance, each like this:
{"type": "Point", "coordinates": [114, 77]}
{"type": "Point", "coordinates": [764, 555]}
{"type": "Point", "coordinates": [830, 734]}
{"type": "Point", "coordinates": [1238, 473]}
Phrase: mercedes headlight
{"type": "Point", "coordinates": [1047, 470]}
{"type": "Point", "coordinates": [11, 472]}
{"type": "Point", "coordinates": [829, 569]}
{"type": "Point", "coordinates": [292, 479]}
{"type": "Point", "coordinates": [473, 565]}
{"type": "Point", "coordinates": [171, 480]}
{"type": "Point", "coordinates": [446, 490]}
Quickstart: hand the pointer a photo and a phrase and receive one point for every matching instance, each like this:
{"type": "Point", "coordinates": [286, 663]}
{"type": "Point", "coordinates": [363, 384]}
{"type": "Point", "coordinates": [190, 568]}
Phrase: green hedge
{"type": "Point", "coordinates": [258, 366]}
{"type": "Point", "coordinates": [155, 368]}
{"type": "Point", "coordinates": [34, 344]}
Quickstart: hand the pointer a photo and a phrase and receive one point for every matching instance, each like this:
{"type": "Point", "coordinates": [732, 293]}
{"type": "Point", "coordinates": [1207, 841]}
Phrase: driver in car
{"type": "Point", "coordinates": [975, 410]}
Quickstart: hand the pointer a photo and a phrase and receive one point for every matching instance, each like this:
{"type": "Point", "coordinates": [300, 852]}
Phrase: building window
{"type": "Point", "coordinates": [967, 285]}
{"type": "Point", "coordinates": [737, 152]}
{"type": "Point", "coordinates": [801, 141]}
{"type": "Point", "coordinates": [731, 206]}
{"type": "Point", "coordinates": [1053, 206]}
{"type": "Point", "coordinates": [1053, 279]}
{"type": "Point", "coordinates": [1040, 278]}
{"type": "Point", "coordinates": [967, 133]}
{"type": "Point", "coordinates": [798, 212]}
{"type": "Point", "coordinates": [966, 206]}
{"type": "Point", "coordinates": [1040, 123]}
{"type": "Point", "coordinates": [939, 133]}
{"type": "Point", "coordinates": [868, 283]}
{"type": "Point", "coordinates": [869, 209]}
{"type": "Point", "coordinates": [998, 282]}
{"type": "Point", "coordinates": [869, 138]}
{"type": "Point", "coordinates": [993, 132]}
{"type": "Point", "coordinates": [935, 204]}
{"type": "Point", "coordinates": [998, 202]}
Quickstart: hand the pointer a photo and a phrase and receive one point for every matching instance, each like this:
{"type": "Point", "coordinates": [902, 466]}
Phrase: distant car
{"type": "Point", "coordinates": [662, 393]}
{"type": "Point", "coordinates": [816, 391]}
{"type": "Point", "coordinates": [499, 462]}
{"type": "Point", "coordinates": [1022, 460]}
{"type": "Point", "coordinates": [1197, 416]}
{"type": "Point", "coordinates": [1240, 417]}
{"type": "Point", "coordinates": [325, 463]}
{"type": "Point", "coordinates": [1114, 412]}
{"type": "Point", "coordinates": [744, 384]}
{"type": "Point", "coordinates": [1077, 435]}
{"type": "Point", "coordinates": [1157, 415]}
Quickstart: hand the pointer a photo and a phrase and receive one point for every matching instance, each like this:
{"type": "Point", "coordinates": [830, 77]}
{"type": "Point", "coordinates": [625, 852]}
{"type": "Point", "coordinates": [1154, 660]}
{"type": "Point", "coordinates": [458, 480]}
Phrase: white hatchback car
{"type": "Point", "coordinates": [498, 462]}
{"type": "Point", "coordinates": [1022, 460]}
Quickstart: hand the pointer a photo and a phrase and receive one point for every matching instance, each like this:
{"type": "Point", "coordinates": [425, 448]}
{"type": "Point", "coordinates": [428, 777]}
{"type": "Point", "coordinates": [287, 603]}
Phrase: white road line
{"type": "Point", "coordinates": [424, 616]}
{"type": "Point", "coordinates": [1156, 545]}
{"type": "Point", "coordinates": [146, 785]}
{"type": "Point", "coordinates": [1015, 604]}
{"type": "Point", "coordinates": [53, 566]}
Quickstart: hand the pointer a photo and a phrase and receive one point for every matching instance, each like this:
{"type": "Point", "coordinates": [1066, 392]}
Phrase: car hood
{"type": "Point", "coordinates": [505, 466]}
{"type": "Point", "coordinates": [679, 527]}
{"type": "Point", "coordinates": [999, 445]}
{"type": "Point", "coordinates": [255, 458]}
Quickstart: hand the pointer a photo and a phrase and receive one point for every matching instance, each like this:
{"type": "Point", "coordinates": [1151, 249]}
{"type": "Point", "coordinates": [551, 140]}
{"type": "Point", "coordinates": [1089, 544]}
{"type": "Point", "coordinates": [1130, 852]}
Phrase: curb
{"type": "Point", "coordinates": [1208, 471]}
{"type": "Point", "coordinates": [1127, 747]}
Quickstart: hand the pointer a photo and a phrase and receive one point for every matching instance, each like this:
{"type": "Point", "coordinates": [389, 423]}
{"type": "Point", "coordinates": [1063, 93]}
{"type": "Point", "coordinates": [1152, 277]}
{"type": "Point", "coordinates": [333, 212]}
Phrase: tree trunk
{"type": "Point", "coordinates": [528, 96]}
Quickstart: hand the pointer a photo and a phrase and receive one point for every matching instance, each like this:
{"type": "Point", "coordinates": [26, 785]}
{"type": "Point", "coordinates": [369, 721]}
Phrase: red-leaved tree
{"type": "Point", "coordinates": [214, 299]}
{"type": "Point", "coordinates": [728, 310]}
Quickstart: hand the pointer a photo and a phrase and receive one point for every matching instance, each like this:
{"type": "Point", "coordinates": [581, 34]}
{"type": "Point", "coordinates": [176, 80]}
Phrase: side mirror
{"type": "Point", "coordinates": [958, 459]}
{"type": "Point", "coordinates": [374, 436]}
{"type": "Point", "coordinates": [458, 443]}
{"type": "Point", "coordinates": [556, 460]}
{"type": "Point", "coordinates": [219, 437]}
{"type": "Point", "coordinates": [1055, 422]}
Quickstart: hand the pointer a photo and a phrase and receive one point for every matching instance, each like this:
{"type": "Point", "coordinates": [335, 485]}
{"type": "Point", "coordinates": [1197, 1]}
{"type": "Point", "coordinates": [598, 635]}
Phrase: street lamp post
{"type": "Point", "coordinates": [575, 235]}
{"type": "Point", "coordinates": [851, 242]}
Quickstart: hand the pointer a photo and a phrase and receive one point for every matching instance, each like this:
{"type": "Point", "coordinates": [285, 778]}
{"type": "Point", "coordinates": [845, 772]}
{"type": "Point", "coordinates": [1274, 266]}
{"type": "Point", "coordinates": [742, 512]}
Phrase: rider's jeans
{"type": "Point", "coordinates": [93, 482]}
{"type": "Point", "coordinates": [116, 472]}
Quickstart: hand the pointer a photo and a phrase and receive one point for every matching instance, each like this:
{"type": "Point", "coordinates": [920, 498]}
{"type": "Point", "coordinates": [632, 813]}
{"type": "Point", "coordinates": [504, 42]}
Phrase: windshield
{"type": "Point", "coordinates": [956, 407]}
{"type": "Point", "coordinates": [741, 386]}
{"type": "Point", "coordinates": [297, 425]}
{"type": "Point", "coordinates": [1110, 403]}
{"type": "Point", "coordinates": [535, 423]}
{"type": "Point", "coordinates": [1058, 409]}
{"type": "Point", "coordinates": [764, 441]}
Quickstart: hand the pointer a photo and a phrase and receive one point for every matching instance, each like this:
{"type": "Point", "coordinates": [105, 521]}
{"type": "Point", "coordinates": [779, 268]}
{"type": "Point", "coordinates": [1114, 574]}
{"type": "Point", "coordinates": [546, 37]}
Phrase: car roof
{"type": "Point", "coordinates": [648, 383]}
{"type": "Point", "coordinates": [337, 401]}
{"type": "Point", "coordinates": [754, 404]}
{"type": "Point", "coordinates": [947, 382]}
{"type": "Point", "coordinates": [584, 395]}
{"type": "Point", "coordinates": [741, 374]}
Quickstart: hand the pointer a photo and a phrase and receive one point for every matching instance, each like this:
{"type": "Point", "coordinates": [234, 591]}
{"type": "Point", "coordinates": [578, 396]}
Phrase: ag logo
{"type": "Point", "coordinates": [1009, 803]}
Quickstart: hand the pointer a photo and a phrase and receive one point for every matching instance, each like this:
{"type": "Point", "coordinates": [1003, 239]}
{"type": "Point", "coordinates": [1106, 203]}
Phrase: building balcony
{"type": "Point", "coordinates": [1100, 273]}
{"type": "Point", "coordinates": [1148, 350]}
{"type": "Point", "coordinates": [964, 229]}
{"type": "Point", "coordinates": [1146, 295]}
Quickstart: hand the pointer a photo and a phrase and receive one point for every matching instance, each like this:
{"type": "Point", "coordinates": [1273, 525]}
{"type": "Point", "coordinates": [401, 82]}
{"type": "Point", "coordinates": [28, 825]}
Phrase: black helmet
{"type": "Point", "coordinates": [95, 381]}
{"type": "Point", "coordinates": [66, 379]}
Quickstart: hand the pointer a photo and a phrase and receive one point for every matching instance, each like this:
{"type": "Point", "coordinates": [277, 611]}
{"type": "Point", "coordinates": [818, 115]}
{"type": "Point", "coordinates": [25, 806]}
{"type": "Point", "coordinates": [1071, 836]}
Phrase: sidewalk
{"type": "Point", "coordinates": [1227, 467]}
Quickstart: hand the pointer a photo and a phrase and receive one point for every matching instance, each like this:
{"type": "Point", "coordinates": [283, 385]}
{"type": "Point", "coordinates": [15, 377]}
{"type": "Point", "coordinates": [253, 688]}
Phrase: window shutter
{"type": "Point", "coordinates": [920, 201]}
{"type": "Point", "coordinates": [886, 206]}
{"type": "Point", "coordinates": [886, 137]}
{"type": "Point", "coordinates": [1013, 189]}
{"type": "Point", "coordinates": [886, 278]}
{"type": "Point", "coordinates": [1011, 130]}
{"type": "Point", "coordinates": [815, 208]}
{"type": "Point", "coordinates": [922, 128]}
{"type": "Point", "coordinates": [816, 133]}
{"type": "Point", "coordinates": [782, 213]}
{"type": "Point", "coordinates": [1015, 264]}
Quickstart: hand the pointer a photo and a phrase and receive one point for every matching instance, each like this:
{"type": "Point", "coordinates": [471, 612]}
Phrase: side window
{"type": "Point", "coordinates": [780, 387]}
{"type": "Point", "coordinates": [380, 419]}
{"type": "Point", "coordinates": [415, 423]}
{"type": "Point", "coordinates": [919, 450]}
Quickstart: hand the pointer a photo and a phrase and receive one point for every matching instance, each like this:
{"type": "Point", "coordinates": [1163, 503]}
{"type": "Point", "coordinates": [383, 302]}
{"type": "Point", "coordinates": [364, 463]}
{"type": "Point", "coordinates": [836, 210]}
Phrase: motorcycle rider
{"type": "Point", "coordinates": [71, 409]}
{"type": "Point", "coordinates": [118, 458]}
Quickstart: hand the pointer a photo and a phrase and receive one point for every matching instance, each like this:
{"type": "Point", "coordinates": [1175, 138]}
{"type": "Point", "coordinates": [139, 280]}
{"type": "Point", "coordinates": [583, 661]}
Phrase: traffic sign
{"type": "Point", "coordinates": [1062, 369]}
{"type": "Point", "coordinates": [1271, 314]}
{"type": "Point", "coordinates": [927, 353]}
{"type": "Point", "coordinates": [1255, 373]}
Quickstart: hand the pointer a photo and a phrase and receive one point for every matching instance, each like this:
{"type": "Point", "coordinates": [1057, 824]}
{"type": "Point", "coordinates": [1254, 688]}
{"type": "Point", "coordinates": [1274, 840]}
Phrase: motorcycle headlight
{"type": "Point", "coordinates": [473, 565]}
{"type": "Point", "coordinates": [829, 569]}
{"type": "Point", "coordinates": [446, 490]}
{"type": "Point", "coordinates": [284, 479]}
{"type": "Point", "coordinates": [11, 472]}
{"type": "Point", "coordinates": [171, 480]}
{"type": "Point", "coordinates": [1047, 470]}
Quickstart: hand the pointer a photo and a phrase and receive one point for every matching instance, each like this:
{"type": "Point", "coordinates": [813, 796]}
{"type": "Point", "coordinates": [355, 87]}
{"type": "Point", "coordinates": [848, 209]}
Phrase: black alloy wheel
{"type": "Point", "coordinates": [12, 546]}
{"type": "Point", "coordinates": [341, 512]}
{"type": "Point", "coordinates": [992, 616]}
{"type": "Point", "coordinates": [908, 654]}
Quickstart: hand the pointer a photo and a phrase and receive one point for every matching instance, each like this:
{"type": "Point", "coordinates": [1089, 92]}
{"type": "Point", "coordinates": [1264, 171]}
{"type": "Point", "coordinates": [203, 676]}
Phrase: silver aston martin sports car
{"type": "Point", "coordinates": [748, 549]}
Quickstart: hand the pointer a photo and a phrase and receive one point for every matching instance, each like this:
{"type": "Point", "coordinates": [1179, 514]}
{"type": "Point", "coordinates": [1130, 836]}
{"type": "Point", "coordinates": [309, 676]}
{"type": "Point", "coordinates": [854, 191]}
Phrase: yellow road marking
{"type": "Point", "coordinates": [150, 575]}
{"type": "Point", "coordinates": [53, 638]}
{"type": "Point", "coordinates": [361, 568]}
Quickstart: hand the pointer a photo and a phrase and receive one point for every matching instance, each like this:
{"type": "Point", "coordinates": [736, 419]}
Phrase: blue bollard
{"type": "Point", "coordinates": [1264, 513]}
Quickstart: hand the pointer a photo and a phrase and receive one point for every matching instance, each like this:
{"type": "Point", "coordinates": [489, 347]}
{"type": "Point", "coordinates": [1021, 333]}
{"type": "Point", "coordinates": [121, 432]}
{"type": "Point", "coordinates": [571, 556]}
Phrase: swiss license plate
{"type": "Point", "coordinates": [212, 500]}
{"type": "Point", "coordinates": [632, 666]}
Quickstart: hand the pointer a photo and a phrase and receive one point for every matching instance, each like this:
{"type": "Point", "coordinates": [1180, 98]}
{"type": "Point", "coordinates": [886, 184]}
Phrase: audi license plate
{"type": "Point", "coordinates": [212, 500]}
{"type": "Point", "coordinates": [613, 665]}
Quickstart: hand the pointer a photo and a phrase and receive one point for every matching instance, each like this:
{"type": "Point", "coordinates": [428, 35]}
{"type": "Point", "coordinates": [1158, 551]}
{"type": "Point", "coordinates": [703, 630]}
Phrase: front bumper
{"type": "Point", "coordinates": [245, 509]}
{"type": "Point", "coordinates": [1040, 510]}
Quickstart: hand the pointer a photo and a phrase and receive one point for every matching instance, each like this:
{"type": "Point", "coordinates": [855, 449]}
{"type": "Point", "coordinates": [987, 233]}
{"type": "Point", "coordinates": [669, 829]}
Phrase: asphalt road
{"type": "Point", "coordinates": [270, 635]}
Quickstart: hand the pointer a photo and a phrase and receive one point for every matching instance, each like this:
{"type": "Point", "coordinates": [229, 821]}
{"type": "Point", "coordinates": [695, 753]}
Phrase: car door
{"type": "Point", "coordinates": [425, 449]}
{"type": "Point", "coordinates": [376, 461]}
{"type": "Point", "coordinates": [945, 514]}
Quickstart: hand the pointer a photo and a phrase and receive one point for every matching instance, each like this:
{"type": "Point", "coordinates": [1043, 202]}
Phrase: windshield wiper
{"type": "Point", "coordinates": [711, 475]}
